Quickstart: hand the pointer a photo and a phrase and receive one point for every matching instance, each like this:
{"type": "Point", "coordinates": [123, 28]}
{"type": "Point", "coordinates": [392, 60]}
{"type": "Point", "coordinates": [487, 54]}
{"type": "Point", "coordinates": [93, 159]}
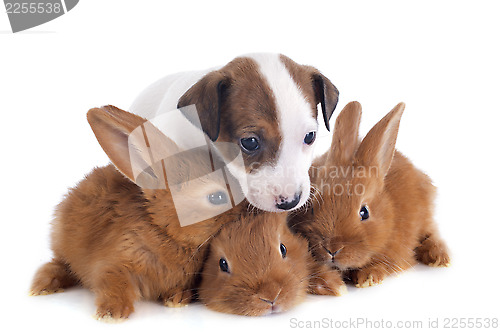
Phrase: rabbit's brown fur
{"type": "Point", "coordinates": [121, 241]}
{"type": "Point", "coordinates": [399, 198]}
{"type": "Point", "coordinates": [260, 279]}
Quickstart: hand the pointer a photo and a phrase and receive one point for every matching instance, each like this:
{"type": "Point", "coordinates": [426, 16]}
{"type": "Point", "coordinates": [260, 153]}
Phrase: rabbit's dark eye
{"type": "Point", "coordinates": [283, 250]}
{"type": "Point", "coordinates": [223, 265]}
{"type": "Point", "coordinates": [310, 138]}
{"type": "Point", "coordinates": [217, 198]}
{"type": "Point", "coordinates": [249, 144]}
{"type": "Point", "coordinates": [363, 213]}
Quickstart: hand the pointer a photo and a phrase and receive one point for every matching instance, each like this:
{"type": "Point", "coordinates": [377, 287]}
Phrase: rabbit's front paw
{"type": "Point", "coordinates": [433, 252]}
{"type": "Point", "coordinates": [45, 290]}
{"type": "Point", "coordinates": [52, 278]}
{"type": "Point", "coordinates": [327, 282]}
{"type": "Point", "coordinates": [179, 299]}
{"type": "Point", "coordinates": [367, 277]}
{"type": "Point", "coordinates": [113, 311]}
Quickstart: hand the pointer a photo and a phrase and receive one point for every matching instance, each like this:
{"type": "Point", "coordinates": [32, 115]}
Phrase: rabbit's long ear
{"type": "Point", "coordinates": [133, 144]}
{"type": "Point", "coordinates": [377, 148]}
{"type": "Point", "coordinates": [345, 135]}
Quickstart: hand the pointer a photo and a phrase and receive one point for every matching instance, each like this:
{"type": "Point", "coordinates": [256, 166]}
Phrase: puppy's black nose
{"type": "Point", "coordinates": [285, 205]}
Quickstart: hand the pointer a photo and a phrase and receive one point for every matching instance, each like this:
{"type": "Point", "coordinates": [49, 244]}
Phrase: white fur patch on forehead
{"type": "Point", "coordinates": [295, 116]}
{"type": "Point", "coordinates": [288, 176]}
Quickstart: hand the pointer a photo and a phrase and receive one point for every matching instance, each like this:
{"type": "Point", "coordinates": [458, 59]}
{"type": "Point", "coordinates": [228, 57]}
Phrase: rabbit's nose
{"type": "Point", "coordinates": [267, 299]}
{"type": "Point", "coordinates": [274, 307]}
{"type": "Point", "coordinates": [335, 253]}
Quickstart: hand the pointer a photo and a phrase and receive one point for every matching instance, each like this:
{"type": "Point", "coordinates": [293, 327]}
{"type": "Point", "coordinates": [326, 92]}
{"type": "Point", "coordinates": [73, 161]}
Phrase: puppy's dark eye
{"type": "Point", "coordinates": [217, 198]}
{"type": "Point", "coordinates": [223, 265]}
{"type": "Point", "coordinates": [249, 144]}
{"type": "Point", "coordinates": [283, 250]}
{"type": "Point", "coordinates": [363, 213]}
{"type": "Point", "coordinates": [310, 138]}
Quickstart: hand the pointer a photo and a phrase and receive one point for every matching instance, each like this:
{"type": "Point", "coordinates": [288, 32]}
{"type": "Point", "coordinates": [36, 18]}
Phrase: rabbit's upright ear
{"type": "Point", "coordinates": [345, 135]}
{"type": "Point", "coordinates": [377, 148]}
{"type": "Point", "coordinates": [134, 145]}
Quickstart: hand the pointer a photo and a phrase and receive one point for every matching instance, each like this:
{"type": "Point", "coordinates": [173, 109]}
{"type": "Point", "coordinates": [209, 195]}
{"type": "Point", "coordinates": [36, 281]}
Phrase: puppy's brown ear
{"type": "Point", "coordinates": [206, 95]}
{"type": "Point", "coordinates": [133, 144]}
{"type": "Point", "coordinates": [378, 146]}
{"type": "Point", "coordinates": [345, 135]}
{"type": "Point", "coordinates": [326, 94]}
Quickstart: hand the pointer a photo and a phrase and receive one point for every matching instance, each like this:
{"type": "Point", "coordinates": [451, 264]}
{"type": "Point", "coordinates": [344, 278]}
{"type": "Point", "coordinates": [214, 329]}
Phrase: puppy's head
{"type": "Point", "coordinates": [267, 105]}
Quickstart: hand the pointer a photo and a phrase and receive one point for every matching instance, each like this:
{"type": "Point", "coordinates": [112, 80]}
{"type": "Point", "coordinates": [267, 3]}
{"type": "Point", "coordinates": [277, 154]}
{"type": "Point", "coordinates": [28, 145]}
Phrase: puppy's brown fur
{"type": "Point", "coordinates": [236, 101]}
{"type": "Point", "coordinates": [121, 241]}
{"type": "Point", "coordinates": [400, 229]}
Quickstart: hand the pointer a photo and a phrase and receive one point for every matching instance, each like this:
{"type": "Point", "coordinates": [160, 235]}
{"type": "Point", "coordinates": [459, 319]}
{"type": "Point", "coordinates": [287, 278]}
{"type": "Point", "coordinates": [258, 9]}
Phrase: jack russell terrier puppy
{"type": "Point", "coordinates": [264, 104]}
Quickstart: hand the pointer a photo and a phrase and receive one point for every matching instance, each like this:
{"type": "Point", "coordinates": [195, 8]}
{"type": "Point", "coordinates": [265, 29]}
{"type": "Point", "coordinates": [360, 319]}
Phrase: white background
{"type": "Point", "coordinates": [441, 58]}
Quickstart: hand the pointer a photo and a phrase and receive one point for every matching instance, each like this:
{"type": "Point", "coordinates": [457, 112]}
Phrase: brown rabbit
{"type": "Point", "coordinates": [375, 214]}
{"type": "Point", "coordinates": [256, 266]}
{"type": "Point", "coordinates": [125, 242]}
